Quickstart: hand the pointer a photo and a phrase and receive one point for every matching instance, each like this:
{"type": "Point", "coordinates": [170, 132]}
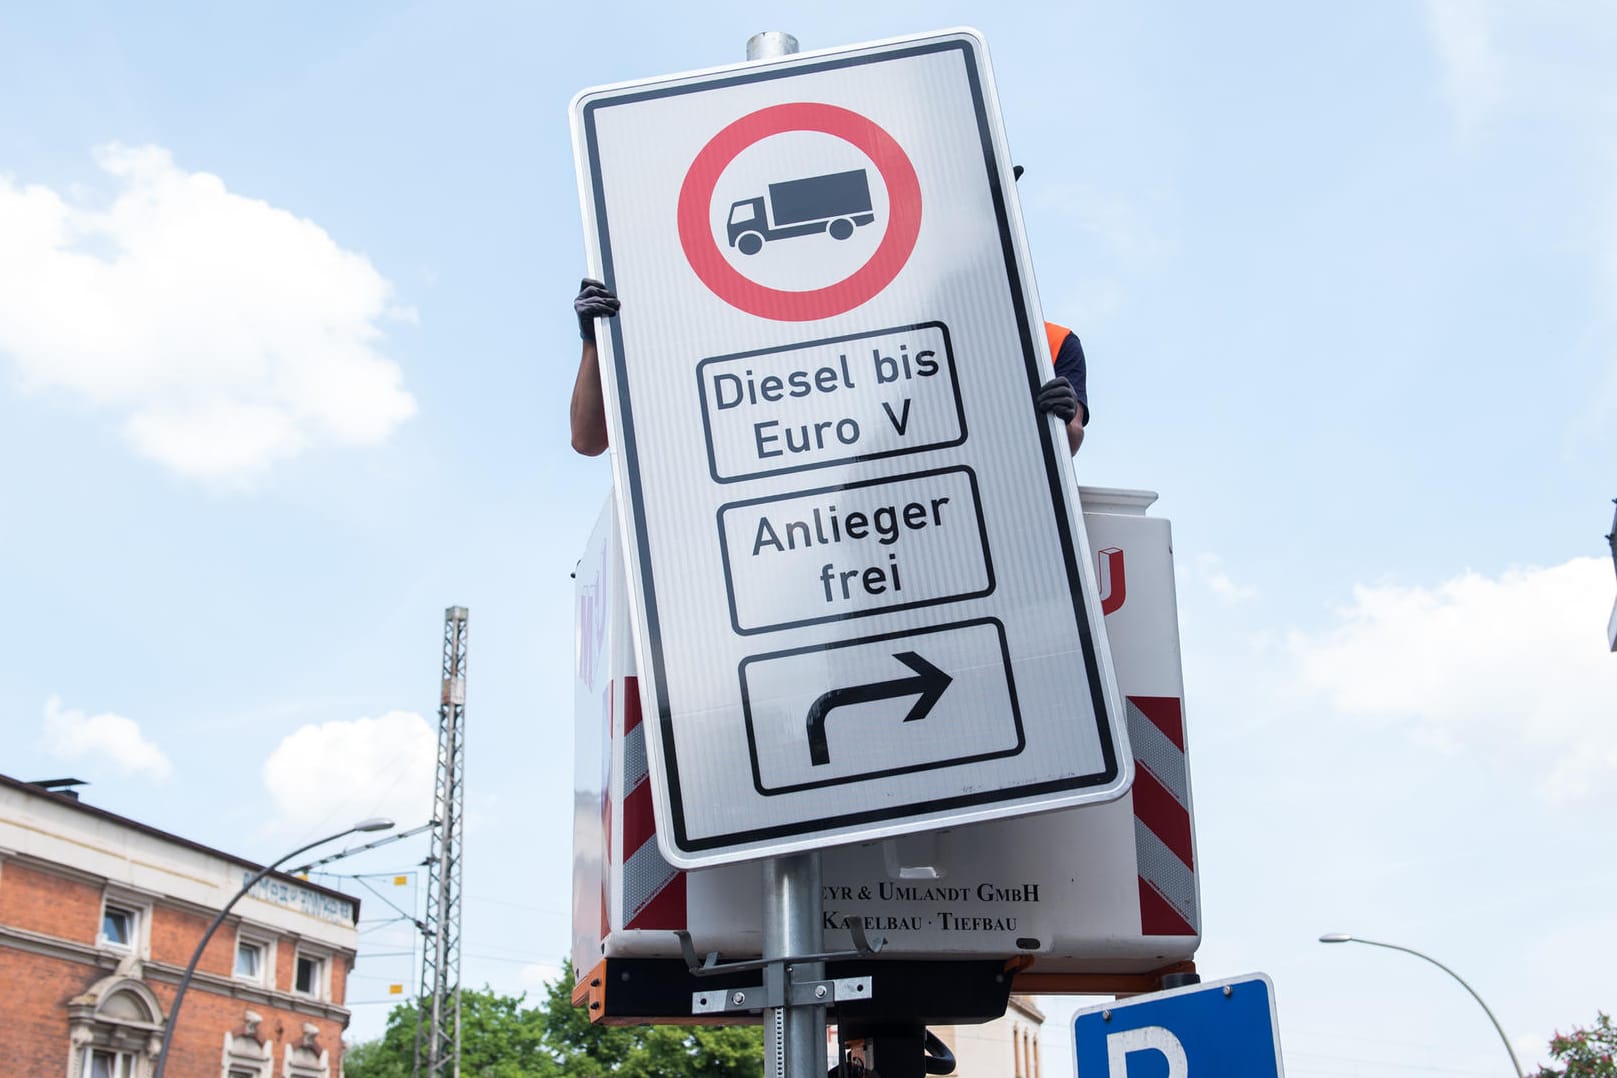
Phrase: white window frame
{"type": "Point", "coordinates": [139, 909]}
{"type": "Point", "coordinates": [265, 943]}
{"type": "Point", "coordinates": [92, 1028]}
{"type": "Point", "coordinates": [132, 1069]}
{"type": "Point", "coordinates": [131, 918]}
{"type": "Point", "coordinates": [322, 978]}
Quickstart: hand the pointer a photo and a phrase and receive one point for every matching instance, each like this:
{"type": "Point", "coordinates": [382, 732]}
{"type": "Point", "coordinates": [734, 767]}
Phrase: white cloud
{"type": "Point", "coordinates": [105, 738]}
{"type": "Point", "coordinates": [1219, 582]}
{"type": "Point", "coordinates": [224, 333]}
{"type": "Point", "coordinates": [338, 772]}
{"type": "Point", "coordinates": [1517, 662]}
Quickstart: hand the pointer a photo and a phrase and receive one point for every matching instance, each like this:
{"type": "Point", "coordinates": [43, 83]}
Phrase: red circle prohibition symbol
{"type": "Point", "coordinates": [782, 305]}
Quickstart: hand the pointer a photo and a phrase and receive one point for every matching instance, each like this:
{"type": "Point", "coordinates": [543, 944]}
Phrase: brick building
{"type": "Point", "coordinates": [99, 915]}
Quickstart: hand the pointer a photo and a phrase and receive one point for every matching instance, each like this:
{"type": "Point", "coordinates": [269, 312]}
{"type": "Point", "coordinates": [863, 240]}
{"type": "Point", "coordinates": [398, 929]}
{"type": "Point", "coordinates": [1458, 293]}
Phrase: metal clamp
{"type": "Point", "coordinates": [840, 990]}
{"type": "Point", "coordinates": [798, 994]}
{"type": "Point", "coordinates": [781, 987]}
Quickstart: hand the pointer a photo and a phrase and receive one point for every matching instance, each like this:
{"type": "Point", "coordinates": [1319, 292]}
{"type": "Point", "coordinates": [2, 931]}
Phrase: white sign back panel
{"type": "Point", "coordinates": [863, 600]}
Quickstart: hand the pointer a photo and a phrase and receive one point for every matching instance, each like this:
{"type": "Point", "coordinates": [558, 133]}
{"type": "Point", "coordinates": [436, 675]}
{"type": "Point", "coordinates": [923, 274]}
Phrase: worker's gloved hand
{"type": "Point", "coordinates": [1057, 397]}
{"type": "Point", "coordinates": [595, 300]}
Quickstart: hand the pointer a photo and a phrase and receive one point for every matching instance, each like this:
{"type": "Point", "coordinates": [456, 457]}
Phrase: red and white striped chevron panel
{"type": "Point", "coordinates": [653, 890]}
{"type": "Point", "coordinates": [1162, 835]}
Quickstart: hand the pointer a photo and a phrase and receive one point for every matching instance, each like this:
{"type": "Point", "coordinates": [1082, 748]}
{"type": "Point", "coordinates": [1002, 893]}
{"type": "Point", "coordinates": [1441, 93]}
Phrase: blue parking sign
{"type": "Point", "coordinates": [1224, 1029]}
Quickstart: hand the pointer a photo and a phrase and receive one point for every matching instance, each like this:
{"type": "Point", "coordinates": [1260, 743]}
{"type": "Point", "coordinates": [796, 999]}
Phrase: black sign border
{"type": "Point", "coordinates": [1106, 722]}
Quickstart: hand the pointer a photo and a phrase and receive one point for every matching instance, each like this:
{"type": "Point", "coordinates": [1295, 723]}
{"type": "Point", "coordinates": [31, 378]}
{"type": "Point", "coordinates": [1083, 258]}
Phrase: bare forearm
{"type": "Point", "coordinates": [1075, 432]}
{"type": "Point", "coordinates": [588, 411]}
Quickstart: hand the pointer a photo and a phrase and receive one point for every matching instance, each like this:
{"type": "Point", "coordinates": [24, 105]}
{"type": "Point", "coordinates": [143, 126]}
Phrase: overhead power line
{"type": "Point", "coordinates": [361, 849]}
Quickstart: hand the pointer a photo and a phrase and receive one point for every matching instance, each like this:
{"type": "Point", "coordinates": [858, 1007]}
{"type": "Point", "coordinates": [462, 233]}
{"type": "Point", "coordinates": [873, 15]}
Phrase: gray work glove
{"type": "Point", "coordinates": [1057, 397]}
{"type": "Point", "coordinates": [594, 300]}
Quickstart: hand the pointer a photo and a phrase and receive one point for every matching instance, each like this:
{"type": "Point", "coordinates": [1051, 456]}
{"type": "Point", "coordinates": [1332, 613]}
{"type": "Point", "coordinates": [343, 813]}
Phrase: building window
{"type": "Point", "coordinates": [250, 961]}
{"type": "Point", "coordinates": [108, 1064]}
{"type": "Point", "coordinates": [114, 1029]}
{"type": "Point", "coordinates": [255, 957]}
{"type": "Point", "coordinates": [125, 921]}
{"type": "Point", "coordinates": [309, 977]}
{"type": "Point", "coordinates": [117, 926]}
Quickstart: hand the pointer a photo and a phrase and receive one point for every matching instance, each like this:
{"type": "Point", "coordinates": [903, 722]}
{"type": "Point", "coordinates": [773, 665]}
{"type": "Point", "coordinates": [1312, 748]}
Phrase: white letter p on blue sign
{"type": "Point", "coordinates": [1224, 1029]}
{"type": "Point", "coordinates": [1119, 1046]}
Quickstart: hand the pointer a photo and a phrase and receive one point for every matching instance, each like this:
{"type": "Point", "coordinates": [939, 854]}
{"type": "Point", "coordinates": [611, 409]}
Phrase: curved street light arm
{"type": "Point", "coordinates": [219, 919]}
{"type": "Point", "coordinates": [1410, 950]}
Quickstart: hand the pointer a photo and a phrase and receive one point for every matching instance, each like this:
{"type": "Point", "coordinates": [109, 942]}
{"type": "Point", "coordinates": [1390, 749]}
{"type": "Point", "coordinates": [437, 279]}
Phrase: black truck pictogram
{"type": "Point", "coordinates": [835, 203]}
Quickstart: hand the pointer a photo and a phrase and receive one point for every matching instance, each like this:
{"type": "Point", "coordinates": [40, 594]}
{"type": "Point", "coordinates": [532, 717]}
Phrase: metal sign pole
{"type": "Point", "coordinates": [769, 44]}
{"type": "Point", "coordinates": [794, 1035]}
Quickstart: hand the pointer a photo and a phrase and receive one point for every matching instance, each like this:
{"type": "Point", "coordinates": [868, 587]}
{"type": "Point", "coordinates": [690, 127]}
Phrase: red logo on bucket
{"type": "Point", "coordinates": [1114, 585]}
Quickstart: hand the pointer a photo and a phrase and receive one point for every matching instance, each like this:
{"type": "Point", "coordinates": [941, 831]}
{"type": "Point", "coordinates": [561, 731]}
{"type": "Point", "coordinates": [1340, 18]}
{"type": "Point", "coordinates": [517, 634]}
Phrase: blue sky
{"type": "Point", "coordinates": [286, 345]}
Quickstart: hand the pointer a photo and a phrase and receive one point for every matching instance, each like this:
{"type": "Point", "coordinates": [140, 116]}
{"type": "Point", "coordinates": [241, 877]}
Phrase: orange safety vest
{"type": "Point", "coordinates": [1057, 335]}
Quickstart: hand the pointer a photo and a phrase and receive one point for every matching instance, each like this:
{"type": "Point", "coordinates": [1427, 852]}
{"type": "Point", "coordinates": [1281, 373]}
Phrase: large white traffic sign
{"type": "Point", "coordinates": [862, 593]}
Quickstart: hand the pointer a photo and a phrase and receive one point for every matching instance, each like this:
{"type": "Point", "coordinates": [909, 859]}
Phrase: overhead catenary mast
{"type": "Point", "coordinates": [437, 1043]}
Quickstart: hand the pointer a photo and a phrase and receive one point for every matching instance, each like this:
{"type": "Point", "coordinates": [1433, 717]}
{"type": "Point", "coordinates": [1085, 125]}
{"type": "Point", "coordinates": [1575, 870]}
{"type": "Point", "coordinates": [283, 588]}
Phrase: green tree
{"type": "Point", "coordinates": [503, 1038]}
{"type": "Point", "coordinates": [588, 1050]}
{"type": "Point", "coordinates": [1584, 1053]}
{"type": "Point", "coordinates": [499, 1038]}
{"type": "Point", "coordinates": [373, 1059]}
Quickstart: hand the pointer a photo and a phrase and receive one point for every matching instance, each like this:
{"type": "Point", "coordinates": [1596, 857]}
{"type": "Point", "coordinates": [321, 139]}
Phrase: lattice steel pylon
{"type": "Point", "coordinates": [437, 1042]}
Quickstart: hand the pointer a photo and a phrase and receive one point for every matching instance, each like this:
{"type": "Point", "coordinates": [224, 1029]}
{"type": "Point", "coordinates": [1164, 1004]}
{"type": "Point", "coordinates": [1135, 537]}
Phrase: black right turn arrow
{"type": "Point", "coordinates": [929, 682]}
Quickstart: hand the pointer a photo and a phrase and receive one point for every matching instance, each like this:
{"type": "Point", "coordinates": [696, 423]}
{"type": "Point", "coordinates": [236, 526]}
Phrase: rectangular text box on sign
{"type": "Point", "coordinates": [855, 550]}
{"type": "Point", "coordinates": [860, 397]}
{"type": "Point", "coordinates": [897, 704]}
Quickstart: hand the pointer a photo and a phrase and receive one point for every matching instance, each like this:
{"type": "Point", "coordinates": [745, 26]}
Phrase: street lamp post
{"type": "Point", "coordinates": [1343, 937]}
{"type": "Point", "coordinates": [375, 823]}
